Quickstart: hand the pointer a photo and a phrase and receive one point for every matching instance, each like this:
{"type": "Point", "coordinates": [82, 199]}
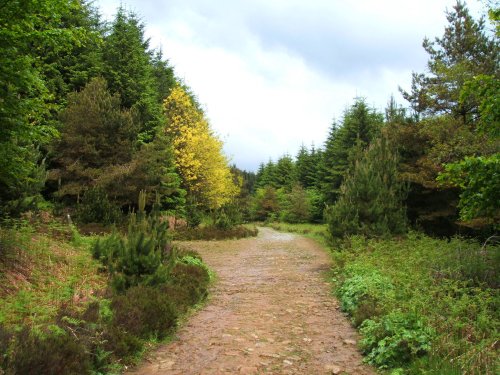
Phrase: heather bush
{"type": "Point", "coordinates": [51, 352]}
{"type": "Point", "coordinates": [144, 312]}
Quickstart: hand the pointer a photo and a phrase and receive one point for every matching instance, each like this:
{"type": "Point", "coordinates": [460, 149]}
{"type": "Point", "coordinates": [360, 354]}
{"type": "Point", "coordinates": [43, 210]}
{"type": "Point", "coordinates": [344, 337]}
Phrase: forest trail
{"type": "Point", "coordinates": [270, 311]}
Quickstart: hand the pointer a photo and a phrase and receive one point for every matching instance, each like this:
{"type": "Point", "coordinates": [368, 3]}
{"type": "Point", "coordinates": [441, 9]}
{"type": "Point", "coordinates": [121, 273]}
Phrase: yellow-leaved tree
{"type": "Point", "coordinates": [198, 152]}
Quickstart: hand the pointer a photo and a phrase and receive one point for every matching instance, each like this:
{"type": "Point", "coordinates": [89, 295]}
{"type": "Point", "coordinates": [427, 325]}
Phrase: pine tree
{"type": "Point", "coordinates": [359, 125]}
{"type": "Point", "coordinates": [97, 134]}
{"type": "Point", "coordinates": [371, 197]}
{"type": "Point", "coordinates": [285, 172]}
{"type": "Point", "coordinates": [266, 175]}
{"type": "Point", "coordinates": [129, 71]}
{"type": "Point", "coordinates": [464, 51]}
{"type": "Point", "coordinates": [297, 208]}
{"type": "Point", "coordinates": [164, 77]}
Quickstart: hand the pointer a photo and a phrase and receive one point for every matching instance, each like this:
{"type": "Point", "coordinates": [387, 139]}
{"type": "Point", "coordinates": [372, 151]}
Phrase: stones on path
{"type": "Point", "coordinates": [270, 312]}
{"type": "Point", "coordinates": [333, 369]}
{"type": "Point", "coordinates": [349, 342]}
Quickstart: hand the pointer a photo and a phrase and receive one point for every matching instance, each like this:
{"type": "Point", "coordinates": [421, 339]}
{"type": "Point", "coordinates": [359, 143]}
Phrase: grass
{"type": "Point", "coordinates": [39, 273]}
{"type": "Point", "coordinates": [57, 308]}
{"type": "Point", "coordinates": [423, 305]}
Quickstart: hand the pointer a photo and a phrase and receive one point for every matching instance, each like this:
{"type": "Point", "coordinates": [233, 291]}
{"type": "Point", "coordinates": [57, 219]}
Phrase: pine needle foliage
{"type": "Point", "coordinates": [371, 197]}
{"type": "Point", "coordinates": [144, 257]}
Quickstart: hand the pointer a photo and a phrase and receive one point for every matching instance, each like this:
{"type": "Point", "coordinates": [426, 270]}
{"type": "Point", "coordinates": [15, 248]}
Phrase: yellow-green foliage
{"type": "Point", "coordinates": [198, 152]}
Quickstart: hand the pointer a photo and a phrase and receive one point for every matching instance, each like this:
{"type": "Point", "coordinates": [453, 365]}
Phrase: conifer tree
{"type": "Point", "coordinates": [266, 175]}
{"type": "Point", "coordinates": [129, 72]}
{"type": "Point", "coordinates": [297, 208]}
{"type": "Point", "coordinates": [285, 172]}
{"type": "Point", "coordinates": [463, 52]}
{"type": "Point", "coordinates": [97, 134]}
{"type": "Point", "coordinates": [371, 197]}
{"type": "Point", "coordinates": [359, 125]}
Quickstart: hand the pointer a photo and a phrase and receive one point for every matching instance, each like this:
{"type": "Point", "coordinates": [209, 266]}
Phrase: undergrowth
{"type": "Point", "coordinates": [63, 312]}
{"type": "Point", "coordinates": [423, 305]}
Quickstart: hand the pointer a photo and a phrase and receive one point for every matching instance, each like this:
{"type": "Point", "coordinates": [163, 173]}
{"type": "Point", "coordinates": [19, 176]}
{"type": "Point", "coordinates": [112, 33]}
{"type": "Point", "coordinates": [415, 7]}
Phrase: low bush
{"type": "Point", "coordinates": [362, 287]}
{"type": "Point", "coordinates": [193, 279]}
{"type": "Point", "coordinates": [50, 352]}
{"type": "Point", "coordinates": [121, 345]}
{"type": "Point", "coordinates": [395, 339]}
{"type": "Point", "coordinates": [5, 341]}
{"type": "Point", "coordinates": [144, 312]}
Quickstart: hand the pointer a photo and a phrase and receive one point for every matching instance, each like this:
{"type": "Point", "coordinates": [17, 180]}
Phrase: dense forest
{"type": "Point", "coordinates": [103, 147]}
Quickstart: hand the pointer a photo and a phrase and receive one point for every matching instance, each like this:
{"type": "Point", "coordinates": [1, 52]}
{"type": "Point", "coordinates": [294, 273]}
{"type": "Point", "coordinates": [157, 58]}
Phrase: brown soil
{"type": "Point", "coordinates": [271, 311]}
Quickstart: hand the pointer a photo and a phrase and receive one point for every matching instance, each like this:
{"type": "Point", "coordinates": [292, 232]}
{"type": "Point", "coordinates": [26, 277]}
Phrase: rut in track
{"type": "Point", "coordinates": [270, 311]}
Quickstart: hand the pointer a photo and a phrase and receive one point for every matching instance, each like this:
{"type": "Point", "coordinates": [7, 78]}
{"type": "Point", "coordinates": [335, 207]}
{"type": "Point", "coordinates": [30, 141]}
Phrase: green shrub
{"type": "Point", "coordinates": [5, 342]}
{"type": "Point", "coordinates": [371, 196]}
{"type": "Point", "coordinates": [144, 312]}
{"type": "Point", "coordinates": [395, 339]}
{"type": "Point", "coordinates": [122, 345]}
{"type": "Point", "coordinates": [224, 221]}
{"type": "Point", "coordinates": [140, 258]}
{"type": "Point", "coordinates": [363, 292]}
{"type": "Point", "coordinates": [444, 280]}
{"type": "Point", "coordinates": [95, 207]}
{"type": "Point", "coordinates": [193, 278]}
{"type": "Point", "coordinates": [473, 262]}
{"type": "Point", "coordinates": [53, 352]}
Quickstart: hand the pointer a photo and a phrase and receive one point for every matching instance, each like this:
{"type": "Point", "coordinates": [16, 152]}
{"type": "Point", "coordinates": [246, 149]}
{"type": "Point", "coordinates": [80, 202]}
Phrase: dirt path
{"type": "Point", "coordinates": [271, 311]}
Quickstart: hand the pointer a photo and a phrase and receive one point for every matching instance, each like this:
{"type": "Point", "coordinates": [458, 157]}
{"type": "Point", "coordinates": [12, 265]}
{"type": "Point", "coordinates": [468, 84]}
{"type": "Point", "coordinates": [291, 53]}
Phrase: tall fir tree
{"type": "Point", "coordinates": [359, 125]}
{"type": "Point", "coordinates": [129, 71]}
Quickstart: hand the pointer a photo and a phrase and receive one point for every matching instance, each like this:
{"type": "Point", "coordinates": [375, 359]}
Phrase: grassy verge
{"type": "Point", "coordinates": [60, 312]}
{"type": "Point", "coordinates": [422, 305]}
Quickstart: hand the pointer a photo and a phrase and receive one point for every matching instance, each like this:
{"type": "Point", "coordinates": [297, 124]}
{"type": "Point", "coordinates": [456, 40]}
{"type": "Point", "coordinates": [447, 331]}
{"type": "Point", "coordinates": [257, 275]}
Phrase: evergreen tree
{"type": "Point", "coordinates": [164, 77]}
{"type": "Point", "coordinates": [359, 125]}
{"type": "Point", "coordinates": [297, 208]}
{"type": "Point", "coordinates": [371, 197]}
{"type": "Point", "coordinates": [97, 134]}
{"type": "Point", "coordinates": [266, 175]}
{"type": "Point", "coordinates": [306, 167]}
{"type": "Point", "coordinates": [464, 51]}
{"type": "Point", "coordinates": [151, 170]}
{"type": "Point", "coordinates": [285, 172]}
{"type": "Point", "coordinates": [129, 71]}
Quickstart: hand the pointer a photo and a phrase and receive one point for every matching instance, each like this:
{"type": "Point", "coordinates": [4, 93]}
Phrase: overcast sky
{"type": "Point", "coordinates": [273, 74]}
